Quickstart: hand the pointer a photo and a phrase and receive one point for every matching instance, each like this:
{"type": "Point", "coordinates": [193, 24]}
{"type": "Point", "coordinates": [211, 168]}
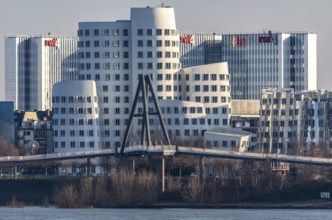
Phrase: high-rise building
{"type": "Point", "coordinates": [256, 61]}
{"type": "Point", "coordinates": [33, 64]}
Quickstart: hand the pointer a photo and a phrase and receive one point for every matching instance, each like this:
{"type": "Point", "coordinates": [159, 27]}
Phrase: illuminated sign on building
{"type": "Point", "coordinates": [268, 39]}
{"type": "Point", "coordinates": [189, 39]}
{"type": "Point", "coordinates": [265, 39]}
{"type": "Point", "coordinates": [51, 43]}
{"type": "Point", "coordinates": [239, 41]}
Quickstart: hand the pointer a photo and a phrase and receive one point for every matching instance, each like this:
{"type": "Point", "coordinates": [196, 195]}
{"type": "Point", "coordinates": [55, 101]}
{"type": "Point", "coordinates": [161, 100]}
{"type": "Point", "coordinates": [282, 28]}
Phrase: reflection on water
{"type": "Point", "coordinates": [39, 213]}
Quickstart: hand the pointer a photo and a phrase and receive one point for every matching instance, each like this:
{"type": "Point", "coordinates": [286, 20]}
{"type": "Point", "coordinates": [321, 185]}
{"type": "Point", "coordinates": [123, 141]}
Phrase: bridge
{"type": "Point", "coordinates": [168, 150]}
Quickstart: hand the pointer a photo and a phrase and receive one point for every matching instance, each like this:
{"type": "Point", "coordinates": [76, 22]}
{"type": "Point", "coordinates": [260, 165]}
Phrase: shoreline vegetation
{"type": "Point", "coordinates": [234, 184]}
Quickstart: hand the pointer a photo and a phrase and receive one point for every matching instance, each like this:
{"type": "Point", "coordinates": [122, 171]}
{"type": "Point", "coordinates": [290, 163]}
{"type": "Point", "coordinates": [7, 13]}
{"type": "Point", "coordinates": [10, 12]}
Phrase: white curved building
{"type": "Point", "coordinates": [75, 116]}
{"type": "Point", "coordinates": [115, 53]}
{"type": "Point", "coordinates": [209, 84]}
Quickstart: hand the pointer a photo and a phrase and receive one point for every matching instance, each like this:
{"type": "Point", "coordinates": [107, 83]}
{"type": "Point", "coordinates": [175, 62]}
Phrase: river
{"type": "Point", "coordinates": [40, 213]}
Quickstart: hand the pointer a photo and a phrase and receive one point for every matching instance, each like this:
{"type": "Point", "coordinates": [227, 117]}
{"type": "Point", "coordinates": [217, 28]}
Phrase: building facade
{"type": "Point", "coordinates": [33, 64]}
{"type": "Point", "coordinates": [114, 54]}
{"type": "Point", "coordinates": [256, 61]}
{"type": "Point", "coordinates": [33, 132]}
{"type": "Point", "coordinates": [7, 121]}
{"type": "Point", "coordinates": [76, 116]}
{"type": "Point", "coordinates": [292, 120]}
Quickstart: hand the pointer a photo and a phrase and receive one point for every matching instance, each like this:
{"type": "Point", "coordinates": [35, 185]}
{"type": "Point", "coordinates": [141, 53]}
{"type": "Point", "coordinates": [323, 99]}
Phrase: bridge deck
{"type": "Point", "coordinates": [168, 150]}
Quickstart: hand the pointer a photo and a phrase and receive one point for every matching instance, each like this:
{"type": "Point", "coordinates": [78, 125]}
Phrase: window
{"type": "Point", "coordinates": [149, 43]}
{"type": "Point", "coordinates": [159, 32]}
{"type": "Point", "coordinates": [116, 54]}
{"type": "Point", "coordinates": [140, 43]}
{"type": "Point", "coordinates": [115, 32]}
{"type": "Point", "coordinates": [115, 43]}
{"type": "Point", "coordinates": [107, 55]}
{"type": "Point", "coordinates": [105, 99]}
{"type": "Point", "coordinates": [149, 54]}
{"type": "Point", "coordinates": [159, 43]}
{"type": "Point", "coordinates": [140, 54]}
{"type": "Point", "coordinates": [159, 65]}
{"type": "Point", "coordinates": [125, 44]}
{"type": "Point", "coordinates": [149, 32]}
{"type": "Point", "coordinates": [140, 65]}
{"type": "Point", "coordinates": [81, 133]}
{"type": "Point", "coordinates": [116, 66]}
{"type": "Point", "coordinates": [125, 32]}
{"type": "Point", "coordinates": [96, 43]}
{"type": "Point", "coordinates": [140, 32]}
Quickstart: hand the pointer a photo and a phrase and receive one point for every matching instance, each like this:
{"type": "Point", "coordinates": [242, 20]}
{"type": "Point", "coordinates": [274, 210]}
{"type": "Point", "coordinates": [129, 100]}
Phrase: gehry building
{"type": "Point", "coordinates": [114, 54]}
{"type": "Point", "coordinates": [292, 121]}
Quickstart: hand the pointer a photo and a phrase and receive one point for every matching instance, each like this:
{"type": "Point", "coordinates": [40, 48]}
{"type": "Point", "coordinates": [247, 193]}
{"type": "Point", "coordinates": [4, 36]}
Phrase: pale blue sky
{"type": "Point", "coordinates": [61, 17]}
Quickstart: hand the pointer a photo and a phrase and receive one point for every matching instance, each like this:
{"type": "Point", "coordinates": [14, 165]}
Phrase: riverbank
{"type": "Point", "coordinates": [41, 192]}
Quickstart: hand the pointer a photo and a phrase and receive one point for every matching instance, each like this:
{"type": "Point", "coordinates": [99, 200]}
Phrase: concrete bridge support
{"type": "Point", "coordinates": [88, 166]}
{"type": "Point", "coordinates": [159, 164]}
{"type": "Point", "coordinates": [132, 166]}
{"type": "Point", "coordinates": [201, 176]}
{"type": "Point", "coordinates": [15, 172]}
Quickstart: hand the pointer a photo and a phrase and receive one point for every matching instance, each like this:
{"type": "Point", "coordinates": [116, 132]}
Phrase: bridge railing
{"type": "Point", "coordinates": [55, 155]}
{"type": "Point", "coordinates": [151, 148]}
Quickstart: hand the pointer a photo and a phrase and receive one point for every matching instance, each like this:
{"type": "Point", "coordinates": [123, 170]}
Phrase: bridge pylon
{"type": "Point", "coordinates": [144, 87]}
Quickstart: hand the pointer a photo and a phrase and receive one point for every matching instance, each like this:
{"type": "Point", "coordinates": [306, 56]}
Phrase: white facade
{"type": "Point", "coordinates": [75, 116]}
{"type": "Point", "coordinates": [33, 64]}
{"type": "Point", "coordinates": [114, 54]}
{"type": "Point", "coordinates": [228, 139]}
{"type": "Point", "coordinates": [293, 120]}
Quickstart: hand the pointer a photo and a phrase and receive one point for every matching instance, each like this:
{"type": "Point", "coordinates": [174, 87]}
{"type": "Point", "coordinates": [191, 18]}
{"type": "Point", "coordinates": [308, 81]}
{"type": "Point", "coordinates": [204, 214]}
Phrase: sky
{"type": "Point", "coordinates": [61, 17]}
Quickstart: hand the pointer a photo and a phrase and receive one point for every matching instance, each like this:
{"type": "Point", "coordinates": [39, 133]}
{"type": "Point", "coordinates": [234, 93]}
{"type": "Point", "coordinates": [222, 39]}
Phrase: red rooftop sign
{"type": "Point", "coordinates": [51, 43]}
{"type": "Point", "coordinates": [189, 39]}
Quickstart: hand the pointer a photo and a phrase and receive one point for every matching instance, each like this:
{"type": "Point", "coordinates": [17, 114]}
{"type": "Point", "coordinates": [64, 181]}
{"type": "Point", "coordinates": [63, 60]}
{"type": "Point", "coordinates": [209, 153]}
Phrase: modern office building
{"type": "Point", "coordinates": [33, 64]}
{"type": "Point", "coordinates": [256, 61]}
{"type": "Point", "coordinates": [293, 120]}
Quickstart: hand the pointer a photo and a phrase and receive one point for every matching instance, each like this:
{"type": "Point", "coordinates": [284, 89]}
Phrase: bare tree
{"type": "Point", "coordinates": [7, 149]}
{"type": "Point", "coordinates": [191, 192]}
